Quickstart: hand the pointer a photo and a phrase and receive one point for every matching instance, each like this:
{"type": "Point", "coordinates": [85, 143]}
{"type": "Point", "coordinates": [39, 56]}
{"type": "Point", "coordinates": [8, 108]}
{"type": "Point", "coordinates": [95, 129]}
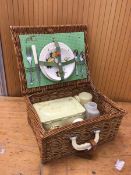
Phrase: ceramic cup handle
{"type": "Point", "coordinates": [85, 146]}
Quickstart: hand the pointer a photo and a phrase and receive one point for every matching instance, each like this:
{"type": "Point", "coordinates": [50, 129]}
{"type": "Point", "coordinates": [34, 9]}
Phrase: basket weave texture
{"type": "Point", "coordinates": [54, 144]}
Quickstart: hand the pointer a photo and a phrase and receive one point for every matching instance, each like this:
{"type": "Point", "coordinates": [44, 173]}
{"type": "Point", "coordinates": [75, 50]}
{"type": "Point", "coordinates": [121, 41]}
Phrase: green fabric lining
{"type": "Point", "coordinates": [74, 40]}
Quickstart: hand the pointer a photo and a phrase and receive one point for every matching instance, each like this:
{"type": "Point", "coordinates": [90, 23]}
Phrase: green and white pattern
{"type": "Point", "coordinates": [74, 40]}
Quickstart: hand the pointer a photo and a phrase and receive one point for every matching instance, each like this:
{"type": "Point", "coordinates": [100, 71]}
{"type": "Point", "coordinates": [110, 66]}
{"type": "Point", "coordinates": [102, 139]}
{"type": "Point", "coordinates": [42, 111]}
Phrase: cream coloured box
{"type": "Point", "coordinates": [59, 112]}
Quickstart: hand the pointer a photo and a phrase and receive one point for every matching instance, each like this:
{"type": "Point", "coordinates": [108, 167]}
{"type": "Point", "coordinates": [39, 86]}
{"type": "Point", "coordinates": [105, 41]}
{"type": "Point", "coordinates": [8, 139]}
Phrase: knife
{"type": "Point", "coordinates": [36, 63]}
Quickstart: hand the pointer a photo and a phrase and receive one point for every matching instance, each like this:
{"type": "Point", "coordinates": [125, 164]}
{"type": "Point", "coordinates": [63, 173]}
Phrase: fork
{"type": "Point", "coordinates": [82, 58]}
{"type": "Point", "coordinates": [76, 60]}
{"type": "Point", "coordinates": [29, 59]}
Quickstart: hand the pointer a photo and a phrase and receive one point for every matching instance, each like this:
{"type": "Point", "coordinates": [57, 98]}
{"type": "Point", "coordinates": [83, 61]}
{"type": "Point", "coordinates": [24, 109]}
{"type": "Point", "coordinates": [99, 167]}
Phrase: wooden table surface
{"type": "Point", "coordinates": [21, 156]}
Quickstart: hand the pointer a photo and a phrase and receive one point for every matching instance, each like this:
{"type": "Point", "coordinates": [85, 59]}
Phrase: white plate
{"type": "Point", "coordinates": [43, 71]}
{"type": "Point", "coordinates": [66, 52]}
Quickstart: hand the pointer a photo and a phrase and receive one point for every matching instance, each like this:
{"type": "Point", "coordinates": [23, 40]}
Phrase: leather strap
{"type": "Point", "coordinates": [52, 64]}
{"type": "Point", "coordinates": [93, 144]}
{"type": "Point", "coordinates": [61, 72]}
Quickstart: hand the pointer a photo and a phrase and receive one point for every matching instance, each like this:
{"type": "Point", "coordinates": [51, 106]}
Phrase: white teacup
{"type": "Point", "coordinates": [77, 120]}
{"type": "Point", "coordinates": [84, 97]}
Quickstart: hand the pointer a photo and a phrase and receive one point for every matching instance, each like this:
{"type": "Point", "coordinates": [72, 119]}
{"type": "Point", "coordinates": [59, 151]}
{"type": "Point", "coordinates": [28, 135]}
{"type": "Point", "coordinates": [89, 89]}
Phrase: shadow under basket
{"type": "Point", "coordinates": [60, 142]}
{"type": "Point", "coordinates": [56, 143]}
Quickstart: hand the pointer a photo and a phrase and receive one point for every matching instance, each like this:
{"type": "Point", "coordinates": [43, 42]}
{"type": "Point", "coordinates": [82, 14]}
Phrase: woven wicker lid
{"type": "Point", "coordinates": [16, 31]}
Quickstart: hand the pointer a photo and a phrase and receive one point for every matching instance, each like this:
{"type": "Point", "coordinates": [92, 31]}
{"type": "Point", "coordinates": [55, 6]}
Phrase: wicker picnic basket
{"type": "Point", "coordinates": [56, 143]}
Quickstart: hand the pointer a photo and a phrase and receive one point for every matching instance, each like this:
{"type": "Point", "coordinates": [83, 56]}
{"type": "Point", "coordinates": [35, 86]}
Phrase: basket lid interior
{"type": "Point", "coordinates": [67, 44]}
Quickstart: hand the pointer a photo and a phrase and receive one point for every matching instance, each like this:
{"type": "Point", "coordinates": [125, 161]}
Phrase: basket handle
{"type": "Point", "coordinates": [86, 146]}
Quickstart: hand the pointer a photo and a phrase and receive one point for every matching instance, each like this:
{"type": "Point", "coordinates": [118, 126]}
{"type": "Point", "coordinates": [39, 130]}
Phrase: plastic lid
{"type": "Point", "coordinates": [85, 95]}
{"type": "Point", "coordinates": [91, 105]}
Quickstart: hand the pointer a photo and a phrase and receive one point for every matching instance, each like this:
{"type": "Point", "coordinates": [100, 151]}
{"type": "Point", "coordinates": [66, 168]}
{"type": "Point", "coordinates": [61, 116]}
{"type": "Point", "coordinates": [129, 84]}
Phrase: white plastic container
{"type": "Point", "coordinates": [91, 110]}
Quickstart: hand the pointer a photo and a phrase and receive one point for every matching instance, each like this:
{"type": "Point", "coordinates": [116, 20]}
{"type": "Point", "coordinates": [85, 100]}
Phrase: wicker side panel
{"type": "Point", "coordinates": [35, 123]}
{"type": "Point", "coordinates": [104, 104]}
{"type": "Point", "coordinates": [60, 92]}
{"type": "Point", "coordinates": [59, 145]}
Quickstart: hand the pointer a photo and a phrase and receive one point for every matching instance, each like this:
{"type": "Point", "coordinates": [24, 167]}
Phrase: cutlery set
{"type": "Point", "coordinates": [36, 63]}
{"type": "Point", "coordinates": [29, 59]}
{"type": "Point", "coordinates": [30, 54]}
{"type": "Point", "coordinates": [79, 60]}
